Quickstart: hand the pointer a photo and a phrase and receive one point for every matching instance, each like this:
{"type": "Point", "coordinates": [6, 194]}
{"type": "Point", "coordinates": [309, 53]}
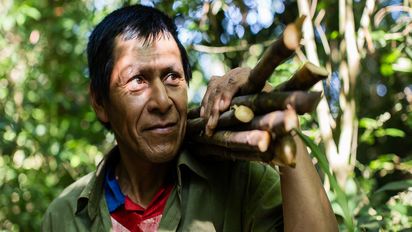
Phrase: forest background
{"type": "Point", "coordinates": [49, 135]}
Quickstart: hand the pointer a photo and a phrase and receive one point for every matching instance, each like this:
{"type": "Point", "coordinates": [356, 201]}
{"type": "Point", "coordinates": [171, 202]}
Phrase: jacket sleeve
{"type": "Point", "coordinates": [46, 224]}
{"type": "Point", "coordinates": [262, 209]}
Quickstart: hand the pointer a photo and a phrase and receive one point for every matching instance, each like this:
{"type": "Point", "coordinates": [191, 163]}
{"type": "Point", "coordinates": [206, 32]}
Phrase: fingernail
{"type": "Point", "coordinates": [209, 128]}
{"type": "Point", "coordinates": [222, 104]}
{"type": "Point", "coordinates": [208, 133]}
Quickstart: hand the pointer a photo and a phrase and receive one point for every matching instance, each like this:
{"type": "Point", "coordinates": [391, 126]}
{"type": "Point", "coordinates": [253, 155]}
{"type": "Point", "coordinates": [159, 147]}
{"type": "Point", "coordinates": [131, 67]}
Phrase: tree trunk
{"type": "Point", "coordinates": [341, 153]}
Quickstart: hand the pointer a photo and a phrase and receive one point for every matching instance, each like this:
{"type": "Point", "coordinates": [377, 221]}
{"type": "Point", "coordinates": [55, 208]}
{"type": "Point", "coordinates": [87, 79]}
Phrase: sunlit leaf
{"type": "Point", "coordinates": [368, 137]}
{"type": "Point", "coordinates": [394, 132]}
{"type": "Point", "coordinates": [407, 166]}
{"type": "Point", "coordinates": [368, 123]}
{"type": "Point", "coordinates": [334, 35]}
{"type": "Point", "coordinates": [386, 69]}
{"type": "Point", "coordinates": [402, 64]}
{"type": "Point", "coordinates": [396, 185]}
{"type": "Point", "coordinates": [30, 11]}
{"type": "Point", "coordinates": [391, 57]}
{"type": "Point", "coordinates": [383, 162]}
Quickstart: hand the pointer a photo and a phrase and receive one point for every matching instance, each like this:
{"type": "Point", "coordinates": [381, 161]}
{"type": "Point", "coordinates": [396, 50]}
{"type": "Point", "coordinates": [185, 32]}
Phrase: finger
{"type": "Point", "coordinates": [209, 126]}
{"type": "Point", "coordinates": [206, 101]}
{"type": "Point", "coordinates": [235, 79]}
{"type": "Point", "coordinates": [225, 100]}
{"type": "Point", "coordinates": [212, 103]}
{"type": "Point", "coordinates": [213, 119]}
{"type": "Point", "coordinates": [254, 140]}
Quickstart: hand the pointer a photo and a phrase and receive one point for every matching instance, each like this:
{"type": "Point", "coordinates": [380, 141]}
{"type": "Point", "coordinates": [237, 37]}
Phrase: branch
{"type": "Point", "coordinates": [224, 49]}
{"type": "Point", "coordinates": [386, 10]}
{"type": "Point", "coordinates": [319, 29]}
{"type": "Point", "coordinates": [363, 31]}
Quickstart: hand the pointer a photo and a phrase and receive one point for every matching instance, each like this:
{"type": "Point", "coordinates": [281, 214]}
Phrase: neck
{"type": "Point", "coordinates": [140, 179]}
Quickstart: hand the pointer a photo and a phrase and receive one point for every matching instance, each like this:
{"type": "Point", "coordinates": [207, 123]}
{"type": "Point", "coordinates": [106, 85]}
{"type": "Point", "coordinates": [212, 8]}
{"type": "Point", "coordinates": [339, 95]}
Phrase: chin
{"type": "Point", "coordinates": [162, 155]}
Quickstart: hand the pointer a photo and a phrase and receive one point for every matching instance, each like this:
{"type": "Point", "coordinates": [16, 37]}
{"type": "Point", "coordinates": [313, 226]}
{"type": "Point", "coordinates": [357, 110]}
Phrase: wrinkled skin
{"type": "Point", "coordinates": [148, 99]}
{"type": "Point", "coordinates": [219, 94]}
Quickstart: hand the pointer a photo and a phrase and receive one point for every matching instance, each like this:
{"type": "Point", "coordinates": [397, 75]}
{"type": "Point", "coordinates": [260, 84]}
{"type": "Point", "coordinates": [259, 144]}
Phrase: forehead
{"type": "Point", "coordinates": [146, 48]}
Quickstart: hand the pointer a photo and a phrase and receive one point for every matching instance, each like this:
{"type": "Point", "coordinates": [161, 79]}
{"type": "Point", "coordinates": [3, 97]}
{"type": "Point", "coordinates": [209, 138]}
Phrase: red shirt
{"type": "Point", "coordinates": [129, 216]}
{"type": "Point", "coordinates": [135, 218]}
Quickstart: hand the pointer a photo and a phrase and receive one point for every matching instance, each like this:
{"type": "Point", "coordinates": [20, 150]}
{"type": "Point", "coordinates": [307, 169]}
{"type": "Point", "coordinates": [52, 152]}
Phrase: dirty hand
{"type": "Point", "coordinates": [219, 94]}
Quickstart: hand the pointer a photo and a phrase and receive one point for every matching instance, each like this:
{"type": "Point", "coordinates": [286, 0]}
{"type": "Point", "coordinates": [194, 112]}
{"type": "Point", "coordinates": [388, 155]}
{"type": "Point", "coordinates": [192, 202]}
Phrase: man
{"type": "Point", "coordinates": [139, 78]}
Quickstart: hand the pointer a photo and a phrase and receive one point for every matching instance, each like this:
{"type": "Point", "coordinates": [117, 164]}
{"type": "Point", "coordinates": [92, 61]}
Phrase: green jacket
{"type": "Point", "coordinates": [209, 196]}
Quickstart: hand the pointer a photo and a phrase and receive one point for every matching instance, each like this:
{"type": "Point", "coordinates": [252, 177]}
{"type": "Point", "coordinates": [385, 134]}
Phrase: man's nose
{"type": "Point", "coordinates": [159, 99]}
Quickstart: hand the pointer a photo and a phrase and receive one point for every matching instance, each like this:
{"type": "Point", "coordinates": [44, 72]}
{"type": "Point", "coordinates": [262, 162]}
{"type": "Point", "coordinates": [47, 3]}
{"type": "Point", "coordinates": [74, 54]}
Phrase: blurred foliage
{"type": "Point", "coordinates": [49, 135]}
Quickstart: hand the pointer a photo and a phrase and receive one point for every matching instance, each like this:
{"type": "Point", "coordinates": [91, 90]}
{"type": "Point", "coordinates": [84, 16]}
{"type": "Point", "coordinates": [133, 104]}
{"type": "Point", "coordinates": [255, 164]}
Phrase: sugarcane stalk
{"type": "Point", "coordinates": [306, 77]}
{"type": "Point", "coordinates": [276, 54]}
{"type": "Point", "coordinates": [284, 150]}
{"type": "Point", "coordinates": [221, 153]}
{"type": "Point", "coordinates": [235, 116]}
{"type": "Point", "coordinates": [278, 123]}
{"type": "Point", "coordinates": [253, 140]}
{"type": "Point", "coordinates": [261, 103]}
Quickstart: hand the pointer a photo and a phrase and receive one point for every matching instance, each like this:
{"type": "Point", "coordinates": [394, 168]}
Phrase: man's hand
{"type": "Point", "coordinates": [219, 94]}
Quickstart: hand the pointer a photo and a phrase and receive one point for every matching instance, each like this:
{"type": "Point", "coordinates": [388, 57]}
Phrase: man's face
{"type": "Point", "coordinates": [148, 98]}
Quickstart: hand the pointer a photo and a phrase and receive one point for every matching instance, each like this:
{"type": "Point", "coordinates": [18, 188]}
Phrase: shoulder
{"type": "Point", "coordinates": [66, 202]}
{"type": "Point", "coordinates": [73, 191]}
{"type": "Point", "coordinates": [258, 173]}
{"type": "Point", "coordinates": [254, 177]}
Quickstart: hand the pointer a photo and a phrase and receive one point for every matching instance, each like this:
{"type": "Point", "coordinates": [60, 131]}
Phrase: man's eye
{"type": "Point", "coordinates": [172, 79]}
{"type": "Point", "coordinates": [137, 83]}
{"type": "Point", "coordinates": [138, 80]}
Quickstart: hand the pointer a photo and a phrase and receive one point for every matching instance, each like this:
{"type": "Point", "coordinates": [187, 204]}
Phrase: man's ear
{"type": "Point", "coordinates": [98, 107]}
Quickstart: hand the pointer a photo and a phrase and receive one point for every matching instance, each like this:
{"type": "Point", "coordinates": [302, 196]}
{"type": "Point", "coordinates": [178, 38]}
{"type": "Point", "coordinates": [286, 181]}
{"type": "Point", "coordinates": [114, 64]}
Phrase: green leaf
{"type": "Point", "coordinates": [406, 166]}
{"type": "Point", "coordinates": [386, 69]}
{"type": "Point", "coordinates": [368, 123]}
{"type": "Point", "coordinates": [383, 162]}
{"type": "Point", "coordinates": [367, 137]}
{"type": "Point", "coordinates": [31, 12]}
{"type": "Point", "coordinates": [334, 35]}
{"type": "Point", "coordinates": [394, 132]}
{"type": "Point", "coordinates": [396, 185]}
{"type": "Point", "coordinates": [402, 64]}
{"type": "Point", "coordinates": [391, 57]}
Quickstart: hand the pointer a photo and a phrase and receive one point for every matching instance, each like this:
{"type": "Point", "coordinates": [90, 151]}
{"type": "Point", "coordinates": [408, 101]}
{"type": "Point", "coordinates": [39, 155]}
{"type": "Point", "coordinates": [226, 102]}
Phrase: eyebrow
{"type": "Point", "coordinates": [174, 68]}
{"type": "Point", "coordinates": [128, 69]}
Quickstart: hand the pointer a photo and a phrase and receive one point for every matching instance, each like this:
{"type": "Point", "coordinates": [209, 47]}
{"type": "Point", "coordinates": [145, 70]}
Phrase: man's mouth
{"type": "Point", "coordinates": [162, 128]}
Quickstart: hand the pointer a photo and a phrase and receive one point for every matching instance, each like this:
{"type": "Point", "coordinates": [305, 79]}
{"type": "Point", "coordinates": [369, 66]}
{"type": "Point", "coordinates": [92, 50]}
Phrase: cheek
{"type": "Point", "coordinates": [179, 97]}
{"type": "Point", "coordinates": [126, 111]}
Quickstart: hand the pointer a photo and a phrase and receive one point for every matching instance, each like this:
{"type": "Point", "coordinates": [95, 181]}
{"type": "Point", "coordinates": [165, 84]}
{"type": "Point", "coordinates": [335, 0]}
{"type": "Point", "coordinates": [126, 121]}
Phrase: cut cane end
{"type": "Point", "coordinates": [320, 71]}
{"type": "Point", "coordinates": [243, 113]}
{"type": "Point", "coordinates": [293, 33]}
{"type": "Point", "coordinates": [264, 143]}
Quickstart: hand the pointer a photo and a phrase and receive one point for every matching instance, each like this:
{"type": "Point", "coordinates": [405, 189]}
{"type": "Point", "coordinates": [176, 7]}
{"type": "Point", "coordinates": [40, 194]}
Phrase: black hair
{"type": "Point", "coordinates": [136, 21]}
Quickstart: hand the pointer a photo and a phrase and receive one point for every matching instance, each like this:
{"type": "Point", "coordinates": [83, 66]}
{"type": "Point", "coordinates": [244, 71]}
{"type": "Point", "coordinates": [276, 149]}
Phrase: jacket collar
{"type": "Point", "coordinates": [93, 194]}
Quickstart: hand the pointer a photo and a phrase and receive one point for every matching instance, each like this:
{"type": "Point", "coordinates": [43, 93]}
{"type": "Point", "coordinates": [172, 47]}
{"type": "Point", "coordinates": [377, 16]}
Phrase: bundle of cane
{"type": "Point", "coordinates": [259, 124]}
